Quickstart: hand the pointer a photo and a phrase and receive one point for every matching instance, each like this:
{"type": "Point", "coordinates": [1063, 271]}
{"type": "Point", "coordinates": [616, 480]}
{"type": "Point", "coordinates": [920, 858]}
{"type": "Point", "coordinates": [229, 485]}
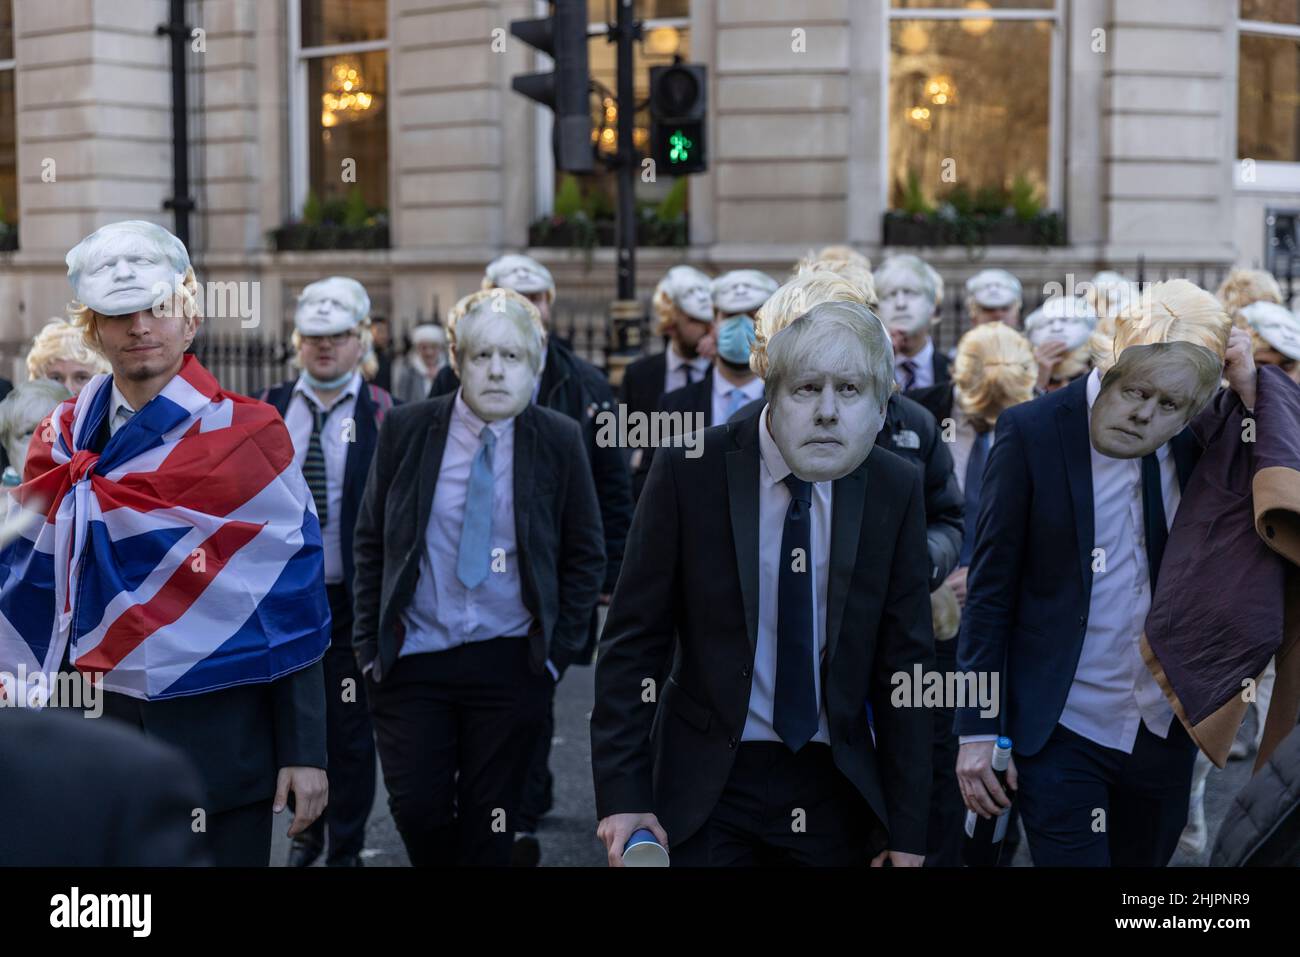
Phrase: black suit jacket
{"type": "Point", "coordinates": [361, 450]}
{"type": "Point", "coordinates": [643, 383]}
{"type": "Point", "coordinates": [693, 581]}
{"type": "Point", "coordinates": [937, 399]}
{"type": "Point", "coordinates": [941, 365]}
{"type": "Point", "coordinates": [910, 432]}
{"type": "Point", "coordinates": [240, 737]}
{"type": "Point", "coordinates": [557, 531]}
{"type": "Point", "coordinates": [85, 793]}
{"type": "Point", "coordinates": [577, 389]}
{"type": "Point", "coordinates": [1030, 579]}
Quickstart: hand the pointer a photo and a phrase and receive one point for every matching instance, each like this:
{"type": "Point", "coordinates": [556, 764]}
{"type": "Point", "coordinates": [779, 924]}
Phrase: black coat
{"type": "Point", "coordinates": [373, 404]}
{"type": "Point", "coordinates": [579, 390]}
{"type": "Point", "coordinates": [910, 432]}
{"type": "Point", "coordinates": [86, 793]}
{"type": "Point", "coordinates": [557, 531]}
{"type": "Point", "coordinates": [692, 583]}
{"type": "Point", "coordinates": [1262, 827]}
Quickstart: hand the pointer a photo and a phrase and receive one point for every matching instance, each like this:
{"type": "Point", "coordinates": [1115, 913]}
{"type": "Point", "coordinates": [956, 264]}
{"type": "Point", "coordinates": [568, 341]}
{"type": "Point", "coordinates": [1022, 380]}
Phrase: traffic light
{"type": "Point", "coordinates": [679, 102]}
{"type": "Point", "coordinates": [563, 36]}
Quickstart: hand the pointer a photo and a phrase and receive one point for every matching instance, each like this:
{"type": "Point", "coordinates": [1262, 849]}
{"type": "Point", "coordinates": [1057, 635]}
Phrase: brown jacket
{"type": "Point", "coordinates": [1228, 598]}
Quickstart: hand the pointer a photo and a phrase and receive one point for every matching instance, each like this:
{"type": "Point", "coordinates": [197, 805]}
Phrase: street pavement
{"type": "Point", "coordinates": [568, 834]}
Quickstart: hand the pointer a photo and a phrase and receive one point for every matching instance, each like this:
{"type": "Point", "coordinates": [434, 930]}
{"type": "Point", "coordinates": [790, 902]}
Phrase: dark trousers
{"type": "Point", "coordinates": [539, 785]}
{"type": "Point", "coordinates": [1085, 805]}
{"type": "Point", "coordinates": [944, 831]}
{"type": "Point", "coordinates": [241, 837]}
{"type": "Point", "coordinates": [349, 741]}
{"type": "Point", "coordinates": [782, 809]}
{"type": "Point", "coordinates": [456, 731]}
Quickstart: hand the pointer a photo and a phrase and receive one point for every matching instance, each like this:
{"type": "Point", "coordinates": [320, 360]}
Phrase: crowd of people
{"type": "Point", "coordinates": [388, 564]}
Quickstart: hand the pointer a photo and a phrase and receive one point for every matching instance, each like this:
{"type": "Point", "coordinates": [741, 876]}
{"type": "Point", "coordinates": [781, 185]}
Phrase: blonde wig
{"type": "Point", "coordinates": [994, 370]}
{"type": "Point", "coordinates": [1172, 311]}
{"type": "Point", "coordinates": [831, 254]}
{"type": "Point", "coordinates": [1241, 288]}
{"type": "Point", "coordinates": [60, 340]}
{"type": "Point", "coordinates": [188, 294]}
{"type": "Point", "coordinates": [791, 301]}
{"type": "Point", "coordinates": [851, 269]}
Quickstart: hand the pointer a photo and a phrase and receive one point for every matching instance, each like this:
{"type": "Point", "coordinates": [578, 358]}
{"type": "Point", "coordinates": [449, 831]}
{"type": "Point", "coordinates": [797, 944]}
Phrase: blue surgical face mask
{"type": "Point", "coordinates": [736, 337]}
{"type": "Point", "coordinates": [329, 385]}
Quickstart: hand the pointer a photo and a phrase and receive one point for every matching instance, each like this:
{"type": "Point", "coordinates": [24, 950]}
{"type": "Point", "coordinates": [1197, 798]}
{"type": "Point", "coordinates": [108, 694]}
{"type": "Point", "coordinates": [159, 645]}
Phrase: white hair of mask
{"type": "Point", "coordinates": [906, 268]}
{"type": "Point", "coordinates": [1077, 309]}
{"type": "Point", "coordinates": [471, 326]}
{"type": "Point", "coordinates": [342, 289]}
{"type": "Point", "coordinates": [680, 283]}
{"type": "Point", "coordinates": [810, 334]}
{"type": "Point", "coordinates": [26, 405]}
{"type": "Point", "coordinates": [428, 332]}
{"type": "Point", "coordinates": [521, 273]}
{"type": "Point", "coordinates": [168, 245]}
{"type": "Point", "coordinates": [743, 290]}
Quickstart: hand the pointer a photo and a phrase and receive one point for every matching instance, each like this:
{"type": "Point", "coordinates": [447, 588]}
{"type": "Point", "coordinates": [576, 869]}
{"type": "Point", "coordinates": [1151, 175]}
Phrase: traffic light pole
{"type": "Point", "coordinates": [627, 32]}
{"type": "Point", "coordinates": [625, 312]}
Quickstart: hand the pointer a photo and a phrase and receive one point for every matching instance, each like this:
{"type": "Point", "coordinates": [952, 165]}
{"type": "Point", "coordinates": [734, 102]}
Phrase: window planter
{"type": "Point", "coordinates": [309, 236]}
{"type": "Point", "coordinates": [903, 229]}
{"type": "Point", "coordinates": [583, 233]}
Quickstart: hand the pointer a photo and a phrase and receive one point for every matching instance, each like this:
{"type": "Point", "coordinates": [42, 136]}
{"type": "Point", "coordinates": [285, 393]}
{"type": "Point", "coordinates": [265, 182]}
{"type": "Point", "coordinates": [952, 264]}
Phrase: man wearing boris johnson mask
{"type": "Point", "coordinates": [467, 617]}
{"type": "Point", "coordinates": [787, 585]}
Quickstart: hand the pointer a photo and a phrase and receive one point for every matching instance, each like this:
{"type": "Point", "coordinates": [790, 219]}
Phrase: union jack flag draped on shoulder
{"type": "Point", "coordinates": [183, 558]}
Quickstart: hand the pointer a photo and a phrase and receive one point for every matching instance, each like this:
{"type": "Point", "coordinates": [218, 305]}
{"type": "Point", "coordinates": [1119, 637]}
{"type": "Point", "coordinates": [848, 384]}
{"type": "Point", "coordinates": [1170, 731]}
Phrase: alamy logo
{"type": "Point", "coordinates": [75, 909]}
{"type": "Point", "coordinates": [952, 689]}
{"type": "Point", "coordinates": [651, 430]}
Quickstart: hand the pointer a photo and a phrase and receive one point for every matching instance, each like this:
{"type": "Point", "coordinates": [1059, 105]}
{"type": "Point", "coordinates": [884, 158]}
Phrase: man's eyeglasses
{"type": "Point", "coordinates": [337, 339]}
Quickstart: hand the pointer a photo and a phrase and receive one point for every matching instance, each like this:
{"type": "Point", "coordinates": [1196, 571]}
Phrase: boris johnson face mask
{"type": "Point", "coordinates": [824, 411]}
{"type": "Point", "coordinates": [1149, 396]}
{"type": "Point", "coordinates": [496, 376]}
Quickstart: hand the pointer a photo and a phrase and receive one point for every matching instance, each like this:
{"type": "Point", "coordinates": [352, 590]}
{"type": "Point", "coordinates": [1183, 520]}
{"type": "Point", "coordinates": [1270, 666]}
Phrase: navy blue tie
{"type": "Point", "coordinates": [1153, 511]}
{"type": "Point", "coordinates": [795, 711]}
{"type": "Point", "coordinates": [979, 457]}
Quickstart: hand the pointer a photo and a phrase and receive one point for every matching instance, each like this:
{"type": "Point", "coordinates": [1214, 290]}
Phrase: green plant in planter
{"type": "Point", "coordinates": [568, 198]}
{"type": "Point", "coordinates": [355, 212]}
{"type": "Point", "coordinates": [914, 201]}
{"type": "Point", "coordinates": [313, 214]}
{"type": "Point", "coordinates": [1024, 199]}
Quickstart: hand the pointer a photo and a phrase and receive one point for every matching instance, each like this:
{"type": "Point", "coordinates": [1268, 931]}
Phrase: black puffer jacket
{"type": "Point", "coordinates": [1262, 828]}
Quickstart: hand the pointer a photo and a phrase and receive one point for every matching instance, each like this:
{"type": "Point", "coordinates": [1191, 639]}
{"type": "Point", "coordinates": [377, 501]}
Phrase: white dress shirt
{"type": "Point", "coordinates": [923, 377]}
{"type": "Point", "coordinates": [121, 412]}
{"type": "Point", "coordinates": [753, 389]}
{"type": "Point", "coordinates": [1113, 690]}
{"type": "Point", "coordinates": [336, 437]}
{"type": "Point", "coordinates": [444, 613]}
{"type": "Point", "coordinates": [675, 369]}
{"type": "Point", "coordinates": [773, 503]}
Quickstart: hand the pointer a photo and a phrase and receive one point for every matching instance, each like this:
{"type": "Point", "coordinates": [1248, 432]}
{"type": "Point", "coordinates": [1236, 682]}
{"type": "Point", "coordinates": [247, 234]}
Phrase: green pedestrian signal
{"type": "Point", "coordinates": [680, 147]}
{"type": "Point", "coordinates": [678, 114]}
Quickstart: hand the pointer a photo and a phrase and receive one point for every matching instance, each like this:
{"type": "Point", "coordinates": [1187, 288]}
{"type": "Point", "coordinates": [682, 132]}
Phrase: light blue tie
{"type": "Point", "coordinates": [735, 401]}
{"type": "Point", "coordinates": [474, 558]}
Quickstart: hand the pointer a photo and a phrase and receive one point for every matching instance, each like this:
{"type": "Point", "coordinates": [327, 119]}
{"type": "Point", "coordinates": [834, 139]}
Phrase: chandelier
{"type": "Point", "coordinates": [346, 98]}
